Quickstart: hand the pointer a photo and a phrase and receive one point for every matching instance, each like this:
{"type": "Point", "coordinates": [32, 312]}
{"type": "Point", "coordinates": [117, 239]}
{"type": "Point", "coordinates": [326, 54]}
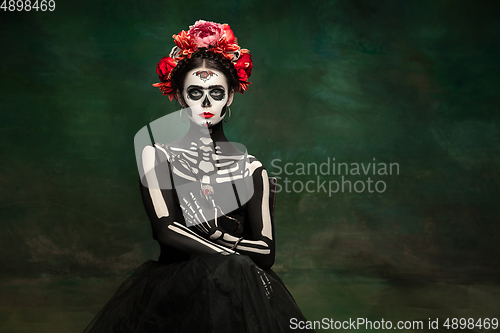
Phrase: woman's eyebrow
{"type": "Point", "coordinates": [209, 87]}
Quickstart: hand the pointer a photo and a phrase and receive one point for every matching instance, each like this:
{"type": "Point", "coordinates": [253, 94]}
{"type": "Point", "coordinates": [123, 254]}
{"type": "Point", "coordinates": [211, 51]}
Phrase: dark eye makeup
{"type": "Point", "coordinates": [196, 92]}
{"type": "Point", "coordinates": [217, 94]}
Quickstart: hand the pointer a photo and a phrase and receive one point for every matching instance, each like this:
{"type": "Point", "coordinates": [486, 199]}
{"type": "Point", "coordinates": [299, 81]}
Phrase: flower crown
{"type": "Point", "coordinates": [204, 36]}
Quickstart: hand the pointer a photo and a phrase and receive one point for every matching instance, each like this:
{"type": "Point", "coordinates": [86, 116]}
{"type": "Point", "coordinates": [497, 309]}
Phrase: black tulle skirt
{"type": "Point", "coordinates": [207, 293]}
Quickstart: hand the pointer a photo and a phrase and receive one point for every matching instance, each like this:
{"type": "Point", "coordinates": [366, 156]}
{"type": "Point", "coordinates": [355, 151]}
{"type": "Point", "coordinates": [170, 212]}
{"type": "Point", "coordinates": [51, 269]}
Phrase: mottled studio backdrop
{"type": "Point", "coordinates": [412, 83]}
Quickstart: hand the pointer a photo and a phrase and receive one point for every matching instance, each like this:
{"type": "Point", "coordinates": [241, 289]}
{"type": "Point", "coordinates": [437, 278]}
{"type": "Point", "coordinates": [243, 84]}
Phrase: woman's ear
{"type": "Point", "coordinates": [179, 97]}
{"type": "Point", "coordinates": [230, 97]}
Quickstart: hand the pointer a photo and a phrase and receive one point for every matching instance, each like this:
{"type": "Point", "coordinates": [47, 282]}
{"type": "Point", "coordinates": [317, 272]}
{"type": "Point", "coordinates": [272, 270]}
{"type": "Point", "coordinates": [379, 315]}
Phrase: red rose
{"type": "Point", "coordinates": [164, 68]}
{"type": "Point", "coordinates": [244, 66]}
{"type": "Point", "coordinates": [229, 34]}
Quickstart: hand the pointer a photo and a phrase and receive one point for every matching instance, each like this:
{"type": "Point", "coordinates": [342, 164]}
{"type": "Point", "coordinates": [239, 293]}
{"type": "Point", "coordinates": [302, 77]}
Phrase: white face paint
{"type": "Point", "coordinates": [206, 93]}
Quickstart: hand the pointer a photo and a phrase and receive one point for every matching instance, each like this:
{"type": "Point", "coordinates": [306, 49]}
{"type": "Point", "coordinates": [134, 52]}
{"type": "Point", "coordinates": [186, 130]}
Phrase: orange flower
{"type": "Point", "coordinates": [166, 88]}
{"type": "Point", "coordinates": [186, 43]}
{"type": "Point", "coordinates": [243, 86]}
{"type": "Point", "coordinates": [224, 48]}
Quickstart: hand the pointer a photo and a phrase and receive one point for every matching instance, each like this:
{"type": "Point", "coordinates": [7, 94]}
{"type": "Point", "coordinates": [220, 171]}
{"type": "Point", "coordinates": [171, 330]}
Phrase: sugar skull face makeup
{"type": "Point", "coordinates": [206, 93]}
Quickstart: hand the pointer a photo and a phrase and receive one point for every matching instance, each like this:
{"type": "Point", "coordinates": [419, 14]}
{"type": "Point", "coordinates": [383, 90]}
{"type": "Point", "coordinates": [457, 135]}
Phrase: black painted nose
{"type": "Point", "coordinates": [206, 102]}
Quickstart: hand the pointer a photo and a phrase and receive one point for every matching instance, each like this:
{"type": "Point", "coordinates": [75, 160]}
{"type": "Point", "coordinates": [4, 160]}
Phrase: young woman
{"type": "Point", "coordinates": [208, 203]}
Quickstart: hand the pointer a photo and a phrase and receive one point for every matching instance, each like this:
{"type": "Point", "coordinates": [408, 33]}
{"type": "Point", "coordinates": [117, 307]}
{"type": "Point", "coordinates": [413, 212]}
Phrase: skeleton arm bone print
{"type": "Point", "coordinates": [260, 247]}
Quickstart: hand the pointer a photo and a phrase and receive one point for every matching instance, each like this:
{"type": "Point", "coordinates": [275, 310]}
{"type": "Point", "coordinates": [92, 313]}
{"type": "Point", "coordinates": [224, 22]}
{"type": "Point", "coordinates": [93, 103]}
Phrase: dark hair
{"type": "Point", "coordinates": [208, 60]}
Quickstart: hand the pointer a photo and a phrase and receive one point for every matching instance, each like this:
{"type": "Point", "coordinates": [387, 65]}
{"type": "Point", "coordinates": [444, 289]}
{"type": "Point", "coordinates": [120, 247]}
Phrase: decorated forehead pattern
{"type": "Point", "coordinates": [205, 75]}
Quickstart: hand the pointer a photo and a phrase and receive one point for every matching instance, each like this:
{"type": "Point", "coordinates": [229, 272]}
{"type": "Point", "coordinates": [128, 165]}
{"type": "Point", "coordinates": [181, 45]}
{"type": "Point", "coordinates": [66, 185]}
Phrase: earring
{"type": "Point", "coordinates": [180, 116]}
{"type": "Point", "coordinates": [229, 111]}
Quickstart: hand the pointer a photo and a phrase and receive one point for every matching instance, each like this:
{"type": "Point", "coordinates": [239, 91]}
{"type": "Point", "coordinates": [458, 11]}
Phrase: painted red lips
{"type": "Point", "coordinates": [206, 115]}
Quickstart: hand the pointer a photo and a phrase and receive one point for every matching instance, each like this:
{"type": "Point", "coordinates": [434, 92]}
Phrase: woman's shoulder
{"type": "Point", "coordinates": [253, 159]}
{"type": "Point", "coordinates": [149, 152]}
{"type": "Point", "coordinates": [254, 164]}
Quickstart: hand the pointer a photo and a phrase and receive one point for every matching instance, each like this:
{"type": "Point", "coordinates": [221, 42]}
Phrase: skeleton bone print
{"type": "Point", "coordinates": [230, 179]}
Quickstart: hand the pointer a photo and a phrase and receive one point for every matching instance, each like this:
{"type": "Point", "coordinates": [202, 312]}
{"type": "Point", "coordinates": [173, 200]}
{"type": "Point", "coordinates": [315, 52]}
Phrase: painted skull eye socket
{"type": "Point", "coordinates": [195, 94]}
{"type": "Point", "coordinates": [217, 94]}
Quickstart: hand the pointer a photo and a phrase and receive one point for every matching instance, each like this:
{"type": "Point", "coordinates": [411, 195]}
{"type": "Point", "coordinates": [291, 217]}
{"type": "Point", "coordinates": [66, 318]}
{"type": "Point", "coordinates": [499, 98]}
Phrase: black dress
{"type": "Point", "coordinates": [200, 293]}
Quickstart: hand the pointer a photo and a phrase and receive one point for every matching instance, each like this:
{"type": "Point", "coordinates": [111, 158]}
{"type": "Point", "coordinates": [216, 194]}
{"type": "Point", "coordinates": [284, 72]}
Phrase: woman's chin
{"type": "Point", "coordinates": [202, 125]}
{"type": "Point", "coordinates": [206, 123]}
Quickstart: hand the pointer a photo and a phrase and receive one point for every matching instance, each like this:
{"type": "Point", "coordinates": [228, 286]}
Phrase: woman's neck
{"type": "Point", "coordinates": [214, 136]}
{"type": "Point", "coordinates": [215, 133]}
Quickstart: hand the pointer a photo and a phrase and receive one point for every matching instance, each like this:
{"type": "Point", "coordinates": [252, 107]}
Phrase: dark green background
{"type": "Point", "coordinates": [408, 82]}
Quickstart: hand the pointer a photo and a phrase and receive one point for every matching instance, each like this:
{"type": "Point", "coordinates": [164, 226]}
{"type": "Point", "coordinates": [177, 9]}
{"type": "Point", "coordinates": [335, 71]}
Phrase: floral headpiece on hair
{"type": "Point", "coordinates": [209, 37]}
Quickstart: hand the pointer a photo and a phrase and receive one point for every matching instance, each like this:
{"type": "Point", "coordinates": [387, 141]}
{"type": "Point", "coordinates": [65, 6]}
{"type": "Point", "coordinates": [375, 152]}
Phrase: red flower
{"type": "Point", "coordinates": [244, 66]}
{"type": "Point", "coordinates": [229, 34]}
{"type": "Point", "coordinates": [164, 68]}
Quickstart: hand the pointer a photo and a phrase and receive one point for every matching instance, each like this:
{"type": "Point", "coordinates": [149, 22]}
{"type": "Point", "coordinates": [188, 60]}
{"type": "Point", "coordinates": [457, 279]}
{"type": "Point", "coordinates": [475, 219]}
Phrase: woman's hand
{"type": "Point", "coordinates": [198, 213]}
